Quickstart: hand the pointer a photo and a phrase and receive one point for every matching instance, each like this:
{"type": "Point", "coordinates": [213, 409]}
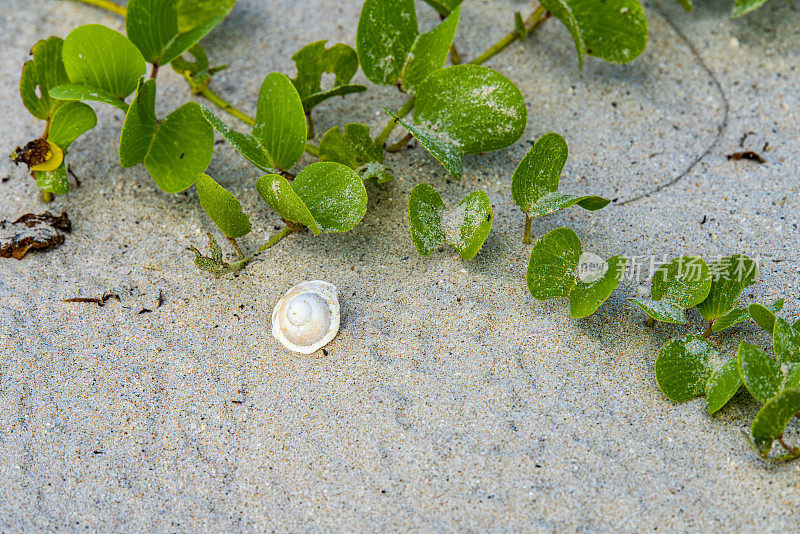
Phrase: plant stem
{"type": "Point", "coordinates": [108, 5]}
{"type": "Point", "coordinates": [274, 240]}
{"type": "Point", "coordinates": [402, 112]}
{"type": "Point", "coordinates": [536, 18]}
{"type": "Point", "coordinates": [239, 265]}
{"type": "Point", "coordinates": [709, 330]}
{"type": "Point", "coordinates": [455, 57]}
{"type": "Point", "coordinates": [47, 197]}
{"type": "Point", "coordinates": [236, 247]}
{"type": "Point", "coordinates": [401, 144]}
{"type": "Point", "coordinates": [310, 123]}
{"type": "Point", "coordinates": [651, 322]}
{"type": "Point", "coordinates": [526, 237]}
{"type": "Point", "coordinates": [312, 150]}
{"type": "Point", "coordinates": [154, 71]}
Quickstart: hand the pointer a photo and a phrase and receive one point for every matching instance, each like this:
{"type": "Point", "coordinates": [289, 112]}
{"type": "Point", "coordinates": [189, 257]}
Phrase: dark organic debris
{"type": "Point", "coordinates": [748, 155]}
{"type": "Point", "coordinates": [99, 301]}
{"type": "Point", "coordinates": [33, 153]}
{"type": "Point", "coordinates": [32, 231]}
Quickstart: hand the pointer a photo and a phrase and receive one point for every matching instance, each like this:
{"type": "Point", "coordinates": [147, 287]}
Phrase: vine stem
{"type": "Point", "coordinates": [108, 5]}
{"type": "Point", "coordinates": [536, 18]}
{"type": "Point", "coordinates": [709, 330]}
{"type": "Point", "coordinates": [526, 237]}
{"type": "Point", "coordinates": [274, 240]}
{"type": "Point", "coordinates": [236, 247]}
{"type": "Point", "coordinates": [401, 144]}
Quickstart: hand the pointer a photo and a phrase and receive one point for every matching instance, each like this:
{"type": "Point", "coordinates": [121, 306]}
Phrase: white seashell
{"type": "Point", "coordinates": [307, 317]}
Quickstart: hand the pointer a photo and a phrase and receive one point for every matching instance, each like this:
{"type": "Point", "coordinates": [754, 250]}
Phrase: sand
{"type": "Point", "coordinates": [450, 400]}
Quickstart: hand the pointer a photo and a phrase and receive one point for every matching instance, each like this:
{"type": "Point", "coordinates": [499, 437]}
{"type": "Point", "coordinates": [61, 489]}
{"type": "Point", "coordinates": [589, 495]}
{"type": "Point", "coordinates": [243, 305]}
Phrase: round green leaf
{"type": "Point", "coordinates": [53, 181]}
{"type": "Point", "coordinates": [786, 341]}
{"type": "Point", "coordinates": [444, 7]}
{"type": "Point", "coordinates": [181, 149]}
{"type": "Point", "coordinates": [473, 107]}
{"type": "Point", "coordinates": [464, 227]}
{"type": "Point", "coordinates": [467, 225]}
{"type": "Point", "coordinates": [615, 30]}
{"type": "Point", "coordinates": [223, 208]}
{"type": "Point", "coordinates": [553, 263]}
{"type": "Point", "coordinates": [684, 281]}
{"type": "Point", "coordinates": [280, 120]}
{"type": "Point", "coordinates": [771, 420]}
{"type": "Point", "coordinates": [386, 33]}
{"type": "Point", "coordinates": [352, 146]}
{"type": "Point", "coordinates": [40, 74]}
{"type": "Point", "coordinates": [425, 208]}
{"type": "Point", "coordinates": [730, 275]}
{"type": "Point", "coordinates": [761, 375]}
{"type": "Point", "coordinates": [69, 122]}
{"type": "Point", "coordinates": [101, 58]}
{"type": "Point", "coordinates": [588, 295]}
{"type": "Point", "coordinates": [683, 367]}
{"type": "Point", "coordinates": [139, 127]}
{"type": "Point", "coordinates": [722, 385]}
{"type": "Point", "coordinates": [334, 194]}
{"type": "Point", "coordinates": [277, 192]}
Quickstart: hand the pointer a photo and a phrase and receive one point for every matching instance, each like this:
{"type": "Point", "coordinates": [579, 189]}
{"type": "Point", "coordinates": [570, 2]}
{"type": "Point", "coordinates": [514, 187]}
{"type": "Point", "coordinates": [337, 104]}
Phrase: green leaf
{"type": "Point", "coordinates": [771, 420]}
{"type": "Point", "coordinates": [731, 318]}
{"type": "Point", "coordinates": [386, 33]}
{"type": "Point", "coordinates": [139, 127]}
{"type": "Point", "coordinates": [730, 275]}
{"type": "Point", "coordinates": [553, 262]}
{"type": "Point", "coordinates": [686, 4]}
{"type": "Point", "coordinates": [665, 312]}
{"type": "Point", "coordinates": [352, 146]}
{"type": "Point", "coordinates": [761, 375]}
{"type": "Point", "coordinates": [277, 192]}
{"type": "Point", "coordinates": [558, 268]}
{"type": "Point", "coordinates": [722, 385]}
{"type": "Point", "coordinates": [445, 151]}
{"type": "Point", "coordinates": [466, 109]}
{"type": "Point", "coordinates": [786, 341]}
{"type": "Point", "coordinates": [614, 30]}
{"type": "Point", "coordinates": [684, 366]}
{"type": "Point", "coordinates": [313, 60]}
{"type": "Point", "coordinates": [280, 120]}
{"type": "Point", "coordinates": [103, 59]}
{"type": "Point", "coordinates": [765, 316]}
{"type": "Point", "coordinates": [247, 145]}
{"type": "Point", "coordinates": [53, 181]}
{"type": "Point", "coordinates": [223, 208]}
{"type": "Point", "coordinates": [39, 75]}
{"type": "Point", "coordinates": [464, 227]}
{"type": "Point", "coordinates": [69, 122]}
{"type": "Point", "coordinates": [444, 7]}
{"type": "Point", "coordinates": [335, 195]}
{"type": "Point", "coordinates": [216, 250]}
{"type": "Point", "coordinates": [182, 148]}
{"type": "Point", "coordinates": [87, 93]}
{"type": "Point", "coordinates": [325, 196]}
{"type": "Point", "coordinates": [685, 281]}
{"type": "Point", "coordinates": [534, 186]}
{"type": "Point", "coordinates": [590, 293]}
{"type": "Point", "coordinates": [153, 25]}
{"type": "Point", "coordinates": [680, 284]}
{"type": "Point", "coordinates": [429, 52]}
{"type": "Point", "coordinates": [479, 109]}
{"type": "Point", "coordinates": [743, 7]}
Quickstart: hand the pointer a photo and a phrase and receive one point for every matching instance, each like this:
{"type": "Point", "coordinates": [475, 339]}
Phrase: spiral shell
{"type": "Point", "coordinates": [307, 317]}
